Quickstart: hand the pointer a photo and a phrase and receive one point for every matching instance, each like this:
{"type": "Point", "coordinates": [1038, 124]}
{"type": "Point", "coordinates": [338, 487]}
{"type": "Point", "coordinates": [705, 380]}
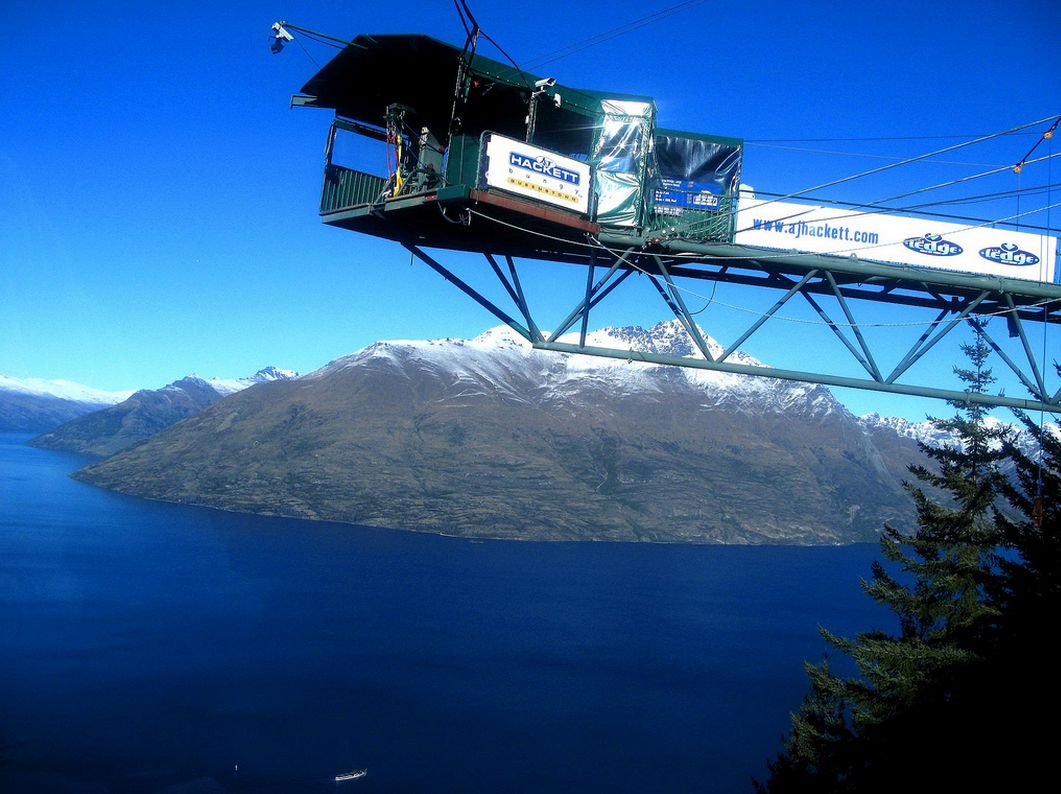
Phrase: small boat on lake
{"type": "Point", "coordinates": [354, 775]}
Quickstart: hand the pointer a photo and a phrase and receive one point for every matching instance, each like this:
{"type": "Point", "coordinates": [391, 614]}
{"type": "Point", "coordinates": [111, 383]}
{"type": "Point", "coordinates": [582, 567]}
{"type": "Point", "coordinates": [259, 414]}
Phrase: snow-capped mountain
{"type": "Point", "coordinates": [62, 389]}
{"type": "Point", "coordinates": [927, 433]}
{"type": "Point", "coordinates": [34, 404]}
{"type": "Point", "coordinates": [146, 412]}
{"type": "Point", "coordinates": [225, 386]}
{"type": "Point", "coordinates": [922, 432]}
{"type": "Point", "coordinates": [501, 360]}
{"type": "Point", "coordinates": [490, 437]}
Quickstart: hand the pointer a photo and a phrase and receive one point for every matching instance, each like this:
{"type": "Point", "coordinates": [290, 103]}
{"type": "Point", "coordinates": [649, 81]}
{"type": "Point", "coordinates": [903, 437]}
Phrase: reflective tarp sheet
{"type": "Point", "coordinates": [620, 157]}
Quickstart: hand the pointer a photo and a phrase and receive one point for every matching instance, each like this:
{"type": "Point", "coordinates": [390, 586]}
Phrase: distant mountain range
{"type": "Point", "coordinates": [488, 437]}
{"type": "Point", "coordinates": [30, 405]}
{"type": "Point", "coordinates": [146, 412]}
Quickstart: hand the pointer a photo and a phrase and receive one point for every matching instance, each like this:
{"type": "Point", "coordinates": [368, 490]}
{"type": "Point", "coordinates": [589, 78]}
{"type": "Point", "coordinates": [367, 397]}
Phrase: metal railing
{"type": "Point", "coordinates": [345, 188]}
{"type": "Point", "coordinates": [715, 225]}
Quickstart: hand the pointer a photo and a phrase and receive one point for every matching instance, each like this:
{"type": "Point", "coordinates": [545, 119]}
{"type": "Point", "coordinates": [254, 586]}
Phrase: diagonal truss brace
{"type": "Point", "coordinates": [456, 281]}
{"type": "Point", "coordinates": [625, 263]}
{"type": "Point", "coordinates": [1037, 389]}
{"type": "Point", "coordinates": [673, 298]}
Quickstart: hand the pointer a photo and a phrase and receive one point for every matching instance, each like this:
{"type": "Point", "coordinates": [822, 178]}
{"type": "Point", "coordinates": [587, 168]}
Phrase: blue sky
{"type": "Point", "coordinates": [158, 200]}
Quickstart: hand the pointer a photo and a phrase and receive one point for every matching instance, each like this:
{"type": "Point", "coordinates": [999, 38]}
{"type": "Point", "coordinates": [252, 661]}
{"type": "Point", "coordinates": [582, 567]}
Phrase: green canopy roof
{"type": "Point", "coordinates": [420, 72]}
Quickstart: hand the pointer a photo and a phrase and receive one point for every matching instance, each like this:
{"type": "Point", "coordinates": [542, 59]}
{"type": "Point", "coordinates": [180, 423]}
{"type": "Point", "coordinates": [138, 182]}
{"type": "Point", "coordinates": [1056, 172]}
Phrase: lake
{"type": "Point", "coordinates": [157, 647]}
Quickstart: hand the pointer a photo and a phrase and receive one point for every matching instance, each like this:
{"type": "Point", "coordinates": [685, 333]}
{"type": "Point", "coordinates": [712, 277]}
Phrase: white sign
{"type": "Point", "coordinates": [890, 238]}
{"type": "Point", "coordinates": [536, 173]}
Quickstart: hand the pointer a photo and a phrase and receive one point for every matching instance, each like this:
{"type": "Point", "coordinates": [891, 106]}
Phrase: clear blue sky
{"type": "Point", "coordinates": [158, 198]}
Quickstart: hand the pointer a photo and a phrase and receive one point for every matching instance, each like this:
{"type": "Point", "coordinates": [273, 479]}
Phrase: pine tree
{"type": "Point", "coordinates": [913, 714]}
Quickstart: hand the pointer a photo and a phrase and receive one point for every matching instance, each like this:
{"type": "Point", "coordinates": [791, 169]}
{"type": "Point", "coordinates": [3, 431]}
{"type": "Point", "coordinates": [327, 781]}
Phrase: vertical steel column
{"type": "Point", "coordinates": [874, 371]}
{"type": "Point", "coordinates": [840, 335]}
{"type": "Point", "coordinates": [589, 287]}
{"type": "Point", "coordinates": [522, 300]}
{"type": "Point", "coordinates": [1027, 346]}
{"type": "Point", "coordinates": [503, 280]}
{"type": "Point", "coordinates": [982, 330]}
{"type": "Point", "coordinates": [597, 298]}
{"type": "Point", "coordinates": [569, 320]}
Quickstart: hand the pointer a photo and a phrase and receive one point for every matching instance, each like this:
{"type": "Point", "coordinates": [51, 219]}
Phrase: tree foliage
{"type": "Point", "coordinates": [954, 696]}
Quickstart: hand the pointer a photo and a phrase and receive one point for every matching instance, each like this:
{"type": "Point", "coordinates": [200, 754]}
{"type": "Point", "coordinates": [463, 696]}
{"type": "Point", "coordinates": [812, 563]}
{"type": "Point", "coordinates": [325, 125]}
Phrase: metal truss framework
{"type": "Point", "coordinates": [960, 300]}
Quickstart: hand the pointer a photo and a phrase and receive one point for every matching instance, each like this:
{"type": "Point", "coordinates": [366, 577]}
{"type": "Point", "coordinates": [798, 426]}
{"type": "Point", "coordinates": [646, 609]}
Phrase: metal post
{"type": "Point", "coordinates": [840, 335]}
{"type": "Point", "coordinates": [1027, 347]}
{"type": "Point", "coordinates": [597, 298]}
{"type": "Point", "coordinates": [522, 300]}
{"type": "Point", "coordinates": [503, 280]}
{"type": "Point", "coordinates": [589, 287]}
{"type": "Point", "coordinates": [874, 371]}
{"type": "Point", "coordinates": [575, 312]}
{"type": "Point", "coordinates": [1040, 393]}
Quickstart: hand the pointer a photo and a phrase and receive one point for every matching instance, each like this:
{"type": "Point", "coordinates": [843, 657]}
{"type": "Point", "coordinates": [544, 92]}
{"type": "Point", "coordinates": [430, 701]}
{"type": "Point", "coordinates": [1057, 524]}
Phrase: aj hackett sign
{"type": "Point", "coordinates": [892, 238]}
{"type": "Point", "coordinates": [535, 173]}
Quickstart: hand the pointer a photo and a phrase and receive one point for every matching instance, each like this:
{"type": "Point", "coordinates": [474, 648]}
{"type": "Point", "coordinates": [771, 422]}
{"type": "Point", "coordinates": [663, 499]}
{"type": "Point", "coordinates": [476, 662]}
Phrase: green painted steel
{"type": "Point", "coordinates": [755, 258]}
{"type": "Point", "coordinates": [702, 225]}
{"type": "Point", "coordinates": [665, 208]}
{"type": "Point", "coordinates": [345, 188]}
{"type": "Point", "coordinates": [804, 377]}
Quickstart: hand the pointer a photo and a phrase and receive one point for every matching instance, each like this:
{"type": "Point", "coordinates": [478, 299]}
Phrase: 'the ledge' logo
{"type": "Point", "coordinates": [932, 245]}
{"type": "Point", "coordinates": [1009, 254]}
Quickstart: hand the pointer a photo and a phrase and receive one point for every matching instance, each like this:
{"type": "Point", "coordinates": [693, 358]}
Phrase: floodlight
{"type": "Point", "coordinates": [280, 37]}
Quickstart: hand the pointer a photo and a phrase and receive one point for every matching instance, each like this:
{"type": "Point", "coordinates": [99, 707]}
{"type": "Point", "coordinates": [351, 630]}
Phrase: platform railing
{"type": "Point", "coordinates": [345, 188]}
{"type": "Point", "coordinates": [715, 225]}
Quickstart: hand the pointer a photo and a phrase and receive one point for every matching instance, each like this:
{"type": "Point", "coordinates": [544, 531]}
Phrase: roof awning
{"type": "Point", "coordinates": [420, 72]}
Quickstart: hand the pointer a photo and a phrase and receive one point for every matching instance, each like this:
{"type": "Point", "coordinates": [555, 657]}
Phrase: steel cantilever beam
{"type": "Point", "coordinates": [818, 279]}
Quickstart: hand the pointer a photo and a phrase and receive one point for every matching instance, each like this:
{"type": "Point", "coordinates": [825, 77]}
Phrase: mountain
{"type": "Point", "coordinates": [225, 386]}
{"type": "Point", "coordinates": [146, 412]}
{"type": "Point", "coordinates": [927, 433]}
{"type": "Point", "coordinates": [488, 437]}
{"type": "Point", "coordinates": [34, 404]}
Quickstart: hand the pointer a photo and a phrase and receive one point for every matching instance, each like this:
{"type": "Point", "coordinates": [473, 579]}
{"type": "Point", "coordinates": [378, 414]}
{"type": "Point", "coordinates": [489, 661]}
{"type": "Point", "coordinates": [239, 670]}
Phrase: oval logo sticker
{"type": "Point", "coordinates": [932, 245]}
{"type": "Point", "coordinates": [1009, 254]}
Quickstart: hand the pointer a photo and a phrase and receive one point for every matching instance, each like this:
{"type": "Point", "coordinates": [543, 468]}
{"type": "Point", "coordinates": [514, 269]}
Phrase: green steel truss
{"type": "Point", "coordinates": [959, 299]}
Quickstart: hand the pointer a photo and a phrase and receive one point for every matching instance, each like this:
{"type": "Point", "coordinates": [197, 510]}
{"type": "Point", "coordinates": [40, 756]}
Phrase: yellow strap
{"type": "Point", "coordinates": [398, 168]}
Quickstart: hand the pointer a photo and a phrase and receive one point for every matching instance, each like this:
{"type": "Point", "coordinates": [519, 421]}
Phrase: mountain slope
{"type": "Point", "coordinates": [145, 413]}
{"type": "Point", "coordinates": [35, 404]}
{"type": "Point", "coordinates": [488, 437]}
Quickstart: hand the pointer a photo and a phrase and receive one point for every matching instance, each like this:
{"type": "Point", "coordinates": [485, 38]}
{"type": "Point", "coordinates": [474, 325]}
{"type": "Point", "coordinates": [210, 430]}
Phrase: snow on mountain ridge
{"type": "Point", "coordinates": [502, 361]}
{"type": "Point", "coordinates": [227, 386]}
{"type": "Point", "coordinates": [63, 390]}
{"type": "Point", "coordinates": [927, 433]}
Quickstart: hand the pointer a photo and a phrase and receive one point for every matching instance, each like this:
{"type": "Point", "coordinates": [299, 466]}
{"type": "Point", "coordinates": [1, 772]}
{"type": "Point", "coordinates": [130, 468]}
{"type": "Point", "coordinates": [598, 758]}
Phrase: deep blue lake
{"type": "Point", "coordinates": [154, 647]}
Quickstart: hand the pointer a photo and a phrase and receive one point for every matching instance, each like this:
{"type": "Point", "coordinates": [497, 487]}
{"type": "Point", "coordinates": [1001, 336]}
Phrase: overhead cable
{"type": "Point", "coordinates": [1045, 137]}
{"type": "Point", "coordinates": [867, 155]}
{"type": "Point", "coordinates": [881, 138]}
{"type": "Point", "coordinates": [909, 160]}
{"type": "Point", "coordinates": [608, 35]}
{"type": "Point", "coordinates": [880, 203]}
